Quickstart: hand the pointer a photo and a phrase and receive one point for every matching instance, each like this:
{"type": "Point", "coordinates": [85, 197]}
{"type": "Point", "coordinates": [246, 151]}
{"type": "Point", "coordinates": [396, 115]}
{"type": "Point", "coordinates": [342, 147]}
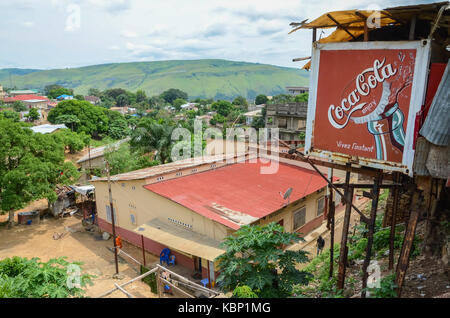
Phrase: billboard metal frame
{"type": "Point", "coordinates": [418, 90]}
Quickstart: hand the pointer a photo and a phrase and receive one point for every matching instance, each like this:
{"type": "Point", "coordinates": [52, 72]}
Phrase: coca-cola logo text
{"type": "Point", "coordinates": [365, 82]}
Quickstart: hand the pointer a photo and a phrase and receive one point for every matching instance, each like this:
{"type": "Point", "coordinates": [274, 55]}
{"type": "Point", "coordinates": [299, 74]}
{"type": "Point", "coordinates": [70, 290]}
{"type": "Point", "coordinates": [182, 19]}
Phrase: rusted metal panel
{"type": "Point", "coordinates": [345, 132]}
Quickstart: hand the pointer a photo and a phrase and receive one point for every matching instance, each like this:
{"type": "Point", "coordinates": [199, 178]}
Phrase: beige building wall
{"type": "Point", "coordinates": [286, 214]}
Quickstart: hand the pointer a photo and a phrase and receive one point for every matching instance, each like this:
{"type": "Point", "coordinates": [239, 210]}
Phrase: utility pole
{"type": "Point", "coordinates": [112, 218]}
{"type": "Point", "coordinates": [90, 168]}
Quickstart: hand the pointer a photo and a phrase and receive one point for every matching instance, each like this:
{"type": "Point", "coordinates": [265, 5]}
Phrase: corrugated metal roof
{"type": "Point", "coordinates": [166, 168]}
{"type": "Point", "coordinates": [239, 194]}
{"type": "Point", "coordinates": [47, 129]}
{"type": "Point", "coordinates": [99, 151]}
{"type": "Point", "coordinates": [436, 128]}
{"type": "Point", "coordinates": [181, 239]}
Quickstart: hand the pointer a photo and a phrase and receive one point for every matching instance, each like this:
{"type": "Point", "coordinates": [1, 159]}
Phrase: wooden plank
{"type": "Point", "coordinates": [405, 252]}
{"type": "Point", "coordinates": [124, 291]}
{"type": "Point", "coordinates": [184, 279]}
{"type": "Point", "coordinates": [176, 288]}
{"type": "Point", "coordinates": [341, 26]}
{"type": "Point", "coordinates": [129, 282]}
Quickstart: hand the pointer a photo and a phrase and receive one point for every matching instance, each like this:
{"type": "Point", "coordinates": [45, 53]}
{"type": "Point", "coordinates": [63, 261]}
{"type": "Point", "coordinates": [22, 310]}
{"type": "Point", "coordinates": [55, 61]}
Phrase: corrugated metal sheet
{"type": "Point", "coordinates": [436, 128]}
{"type": "Point", "coordinates": [239, 194]}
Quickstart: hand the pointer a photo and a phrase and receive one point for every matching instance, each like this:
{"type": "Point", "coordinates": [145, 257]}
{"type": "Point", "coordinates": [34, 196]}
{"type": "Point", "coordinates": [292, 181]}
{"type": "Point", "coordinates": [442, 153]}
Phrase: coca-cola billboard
{"type": "Point", "coordinates": [363, 100]}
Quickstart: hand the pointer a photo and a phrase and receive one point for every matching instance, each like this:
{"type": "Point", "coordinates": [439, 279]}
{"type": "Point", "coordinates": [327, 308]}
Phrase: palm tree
{"type": "Point", "coordinates": [150, 136]}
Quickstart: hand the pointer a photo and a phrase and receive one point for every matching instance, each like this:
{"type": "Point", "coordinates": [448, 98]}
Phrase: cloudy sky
{"type": "Point", "coordinates": [49, 34]}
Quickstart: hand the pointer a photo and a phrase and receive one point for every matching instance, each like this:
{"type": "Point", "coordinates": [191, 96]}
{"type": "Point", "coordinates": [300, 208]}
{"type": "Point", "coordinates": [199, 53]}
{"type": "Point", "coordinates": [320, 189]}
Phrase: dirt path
{"type": "Point", "coordinates": [78, 245]}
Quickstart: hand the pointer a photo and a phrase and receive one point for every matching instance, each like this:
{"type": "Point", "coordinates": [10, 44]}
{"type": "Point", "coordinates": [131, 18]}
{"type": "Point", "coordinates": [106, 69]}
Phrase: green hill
{"type": "Point", "coordinates": [219, 79]}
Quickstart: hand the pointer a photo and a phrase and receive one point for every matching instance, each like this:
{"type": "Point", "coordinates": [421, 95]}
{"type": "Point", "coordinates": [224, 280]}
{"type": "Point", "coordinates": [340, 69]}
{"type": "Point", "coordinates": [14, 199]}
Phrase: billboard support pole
{"type": "Point", "coordinates": [343, 253]}
{"type": "Point", "coordinates": [373, 215]}
{"type": "Point", "coordinates": [393, 222]}
{"type": "Point", "coordinates": [363, 217]}
{"type": "Point", "coordinates": [330, 224]}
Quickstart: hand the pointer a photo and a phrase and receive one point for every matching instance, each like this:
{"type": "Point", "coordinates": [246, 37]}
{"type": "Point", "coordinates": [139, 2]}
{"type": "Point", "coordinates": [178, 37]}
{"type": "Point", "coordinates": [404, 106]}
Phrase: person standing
{"type": "Point", "coordinates": [320, 244]}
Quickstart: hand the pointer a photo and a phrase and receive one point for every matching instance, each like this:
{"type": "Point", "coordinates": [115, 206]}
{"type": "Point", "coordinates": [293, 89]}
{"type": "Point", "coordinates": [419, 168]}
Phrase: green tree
{"type": "Point", "coordinates": [93, 120]}
{"type": "Point", "coordinates": [150, 136]}
{"type": "Point", "coordinates": [261, 99]}
{"type": "Point", "coordinates": [94, 92]}
{"type": "Point", "coordinates": [301, 98]}
{"type": "Point", "coordinates": [241, 102]}
{"type": "Point", "coordinates": [122, 100]}
{"type": "Point", "coordinates": [79, 97]}
{"type": "Point", "coordinates": [178, 102]}
{"type": "Point", "coordinates": [222, 107]}
{"type": "Point", "coordinates": [58, 91]}
{"type": "Point", "coordinates": [68, 120]}
{"type": "Point", "coordinates": [171, 94]}
{"type": "Point", "coordinates": [140, 96]}
{"type": "Point", "coordinates": [19, 106]}
{"type": "Point", "coordinates": [118, 129]}
{"type": "Point", "coordinates": [32, 115]}
{"type": "Point", "coordinates": [31, 278]}
{"type": "Point", "coordinates": [31, 165]}
{"type": "Point", "coordinates": [9, 114]}
{"type": "Point", "coordinates": [255, 258]}
{"type": "Point", "coordinates": [123, 160]}
{"type": "Point", "coordinates": [71, 140]}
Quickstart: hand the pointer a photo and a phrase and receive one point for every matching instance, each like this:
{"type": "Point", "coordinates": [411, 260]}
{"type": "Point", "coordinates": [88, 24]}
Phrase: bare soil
{"type": "Point", "coordinates": [77, 244]}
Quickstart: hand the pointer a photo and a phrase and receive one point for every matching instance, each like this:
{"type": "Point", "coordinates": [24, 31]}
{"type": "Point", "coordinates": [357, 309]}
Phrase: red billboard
{"type": "Point", "coordinates": [363, 101]}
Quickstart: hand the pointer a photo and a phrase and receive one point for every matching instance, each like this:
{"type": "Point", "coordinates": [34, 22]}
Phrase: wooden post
{"type": "Point", "coordinates": [113, 223]}
{"type": "Point", "coordinates": [158, 282]}
{"type": "Point", "coordinates": [412, 28]}
{"type": "Point", "coordinates": [371, 226]}
{"type": "Point", "coordinates": [393, 223]}
{"type": "Point", "coordinates": [342, 256]}
{"type": "Point", "coordinates": [366, 32]}
{"type": "Point", "coordinates": [314, 35]}
{"type": "Point", "coordinates": [143, 249]}
{"type": "Point", "coordinates": [405, 253]}
{"type": "Point", "coordinates": [331, 211]}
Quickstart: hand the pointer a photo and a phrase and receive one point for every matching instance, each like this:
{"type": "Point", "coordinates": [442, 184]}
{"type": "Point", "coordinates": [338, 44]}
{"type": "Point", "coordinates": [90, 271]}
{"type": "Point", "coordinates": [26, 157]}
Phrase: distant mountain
{"type": "Point", "coordinates": [219, 79]}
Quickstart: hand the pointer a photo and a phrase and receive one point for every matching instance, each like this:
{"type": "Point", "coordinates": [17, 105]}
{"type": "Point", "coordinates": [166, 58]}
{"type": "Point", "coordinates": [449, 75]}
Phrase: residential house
{"type": "Point", "coordinates": [190, 206]}
{"type": "Point", "coordinates": [250, 116]}
{"type": "Point", "coordinates": [297, 90]}
{"type": "Point", "coordinates": [289, 118]}
{"type": "Point", "coordinates": [31, 101]}
{"type": "Point", "coordinates": [94, 100]}
{"type": "Point", "coordinates": [189, 106]}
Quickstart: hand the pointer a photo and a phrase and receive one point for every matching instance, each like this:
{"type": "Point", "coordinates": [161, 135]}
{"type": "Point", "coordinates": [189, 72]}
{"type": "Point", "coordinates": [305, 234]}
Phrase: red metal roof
{"type": "Point", "coordinates": [239, 194]}
{"type": "Point", "coordinates": [24, 97]}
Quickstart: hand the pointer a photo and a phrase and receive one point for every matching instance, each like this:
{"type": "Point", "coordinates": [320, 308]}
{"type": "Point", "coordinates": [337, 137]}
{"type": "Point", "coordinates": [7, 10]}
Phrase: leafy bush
{"type": "Point", "coordinates": [386, 290]}
{"type": "Point", "coordinates": [24, 278]}
{"type": "Point", "coordinates": [150, 280]}
{"type": "Point", "coordinates": [244, 292]}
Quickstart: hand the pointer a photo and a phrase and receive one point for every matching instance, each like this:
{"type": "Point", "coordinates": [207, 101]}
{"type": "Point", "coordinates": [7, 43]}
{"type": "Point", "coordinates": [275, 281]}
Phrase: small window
{"type": "Point", "coordinates": [108, 214]}
{"type": "Point", "coordinates": [123, 185]}
{"type": "Point", "coordinates": [133, 218]}
{"type": "Point", "coordinates": [133, 188]}
{"type": "Point", "coordinates": [213, 166]}
{"type": "Point", "coordinates": [194, 170]}
{"type": "Point", "coordinates": [320, 206]}
{"type": "Point", "coordinates": [299, 218]}
{"type": "Point", "coordinates": [160, 178]}
{"type": "Point", "coordinates": [179, 174]}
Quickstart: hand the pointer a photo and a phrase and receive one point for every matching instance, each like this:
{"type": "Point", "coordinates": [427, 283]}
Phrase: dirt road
{"type": "Point", "coordinates": [37, 240]}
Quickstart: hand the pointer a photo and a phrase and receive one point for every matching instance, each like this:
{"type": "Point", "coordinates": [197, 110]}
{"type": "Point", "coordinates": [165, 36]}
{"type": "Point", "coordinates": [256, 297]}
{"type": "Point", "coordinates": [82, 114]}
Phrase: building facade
{"type": "Point", "coordinates": [289, 118]}
{"type": "Point", "coordinates": [190, 207]}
